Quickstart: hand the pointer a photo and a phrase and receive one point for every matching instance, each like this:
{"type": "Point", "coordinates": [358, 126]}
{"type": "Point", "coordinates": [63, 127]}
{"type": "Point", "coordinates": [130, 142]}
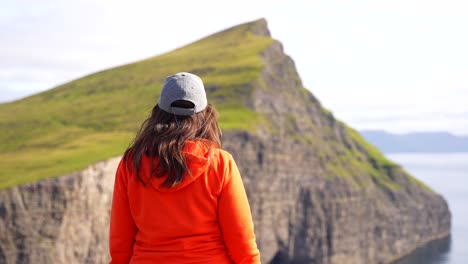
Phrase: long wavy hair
{"type": "Point", "coordinates": [163, 135]}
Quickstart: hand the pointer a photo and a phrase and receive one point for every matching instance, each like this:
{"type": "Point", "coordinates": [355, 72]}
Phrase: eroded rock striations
{"type": "Point", "coordinates": [318, 193]}
{"type": "Point", "coordinates": [58, 220]}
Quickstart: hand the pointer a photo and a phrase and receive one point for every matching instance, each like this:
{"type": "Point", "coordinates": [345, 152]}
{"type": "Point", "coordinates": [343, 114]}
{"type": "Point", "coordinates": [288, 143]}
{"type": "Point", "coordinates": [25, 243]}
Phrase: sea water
{"type": "Point", "coordinates": [446, 174]}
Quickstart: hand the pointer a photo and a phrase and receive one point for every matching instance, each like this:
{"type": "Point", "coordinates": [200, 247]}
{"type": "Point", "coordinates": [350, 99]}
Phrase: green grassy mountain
{"type": "Point", "coordinates": [95, 117]}
{"type": "Point", "coordinates": [319, 193]}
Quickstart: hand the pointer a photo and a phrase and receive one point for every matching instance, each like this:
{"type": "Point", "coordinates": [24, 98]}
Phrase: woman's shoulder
{"type": "Point", "coordinates": [222, 155]}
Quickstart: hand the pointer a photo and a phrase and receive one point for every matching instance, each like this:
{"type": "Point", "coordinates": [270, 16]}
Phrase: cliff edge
{"type": "Point", "coordinates": [319, 193]}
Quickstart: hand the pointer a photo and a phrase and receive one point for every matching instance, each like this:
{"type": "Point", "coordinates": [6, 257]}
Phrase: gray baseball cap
{"type": "Point", "coordinates": [183, 86]}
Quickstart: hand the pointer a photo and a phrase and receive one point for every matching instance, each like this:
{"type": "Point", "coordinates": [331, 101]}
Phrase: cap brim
{"type": "Point", "coordinates": [182, 111]}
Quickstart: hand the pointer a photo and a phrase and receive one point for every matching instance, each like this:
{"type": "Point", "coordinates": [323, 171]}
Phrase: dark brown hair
{"type": "Point", "coordinates": [163, 135]}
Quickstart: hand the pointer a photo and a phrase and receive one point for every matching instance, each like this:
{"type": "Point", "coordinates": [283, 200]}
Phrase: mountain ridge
{"type": "Point", "coordinates": [83, 116]}
{"type": "Point", "coordinates": [416, 142]}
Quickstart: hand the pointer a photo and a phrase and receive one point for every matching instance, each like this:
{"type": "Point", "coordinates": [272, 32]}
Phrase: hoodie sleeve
{"type": "Point", "coordinates": [122, 226]}
{"type": "Point", "coordinates": [235, 218]}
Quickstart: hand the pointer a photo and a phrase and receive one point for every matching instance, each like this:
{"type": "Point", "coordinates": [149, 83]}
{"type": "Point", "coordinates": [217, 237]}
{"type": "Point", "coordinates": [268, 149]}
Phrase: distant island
{"type": "Point", "coordinates": [416, 142]}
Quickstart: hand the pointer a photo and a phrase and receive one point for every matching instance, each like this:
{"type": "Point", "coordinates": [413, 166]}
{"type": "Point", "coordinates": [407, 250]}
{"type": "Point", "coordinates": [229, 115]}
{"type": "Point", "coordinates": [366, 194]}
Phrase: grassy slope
{"type": "Point", "coordinates": [352, 158]}
{"type": "Point", "coordinates": [378, 167]}
{"type": "Point", "coordinates": [95, 117]}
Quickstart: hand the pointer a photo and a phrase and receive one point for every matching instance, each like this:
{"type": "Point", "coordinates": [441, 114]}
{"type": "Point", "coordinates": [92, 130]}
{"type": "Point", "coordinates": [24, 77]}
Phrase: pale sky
{"type": "Point", "coordinates": [399, 65]}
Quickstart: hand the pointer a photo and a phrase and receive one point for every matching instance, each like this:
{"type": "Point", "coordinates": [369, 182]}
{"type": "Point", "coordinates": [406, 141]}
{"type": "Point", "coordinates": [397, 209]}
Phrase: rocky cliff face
{"type": "Point", "coordinates": [303, 217]}
{"type": "Point", "coordinates": [318, 193]}
{"type": "Point", "coordinates": [58, 220]}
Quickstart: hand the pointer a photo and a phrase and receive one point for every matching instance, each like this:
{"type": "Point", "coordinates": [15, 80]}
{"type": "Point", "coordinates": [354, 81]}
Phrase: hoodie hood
{"type": "Point", "coordinates": [196, 154]}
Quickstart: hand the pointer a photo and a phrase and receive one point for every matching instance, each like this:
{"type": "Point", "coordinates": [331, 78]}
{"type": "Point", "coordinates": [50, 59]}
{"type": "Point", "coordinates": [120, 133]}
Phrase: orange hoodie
{"type": "Point", "coordinates": [204, 219]}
